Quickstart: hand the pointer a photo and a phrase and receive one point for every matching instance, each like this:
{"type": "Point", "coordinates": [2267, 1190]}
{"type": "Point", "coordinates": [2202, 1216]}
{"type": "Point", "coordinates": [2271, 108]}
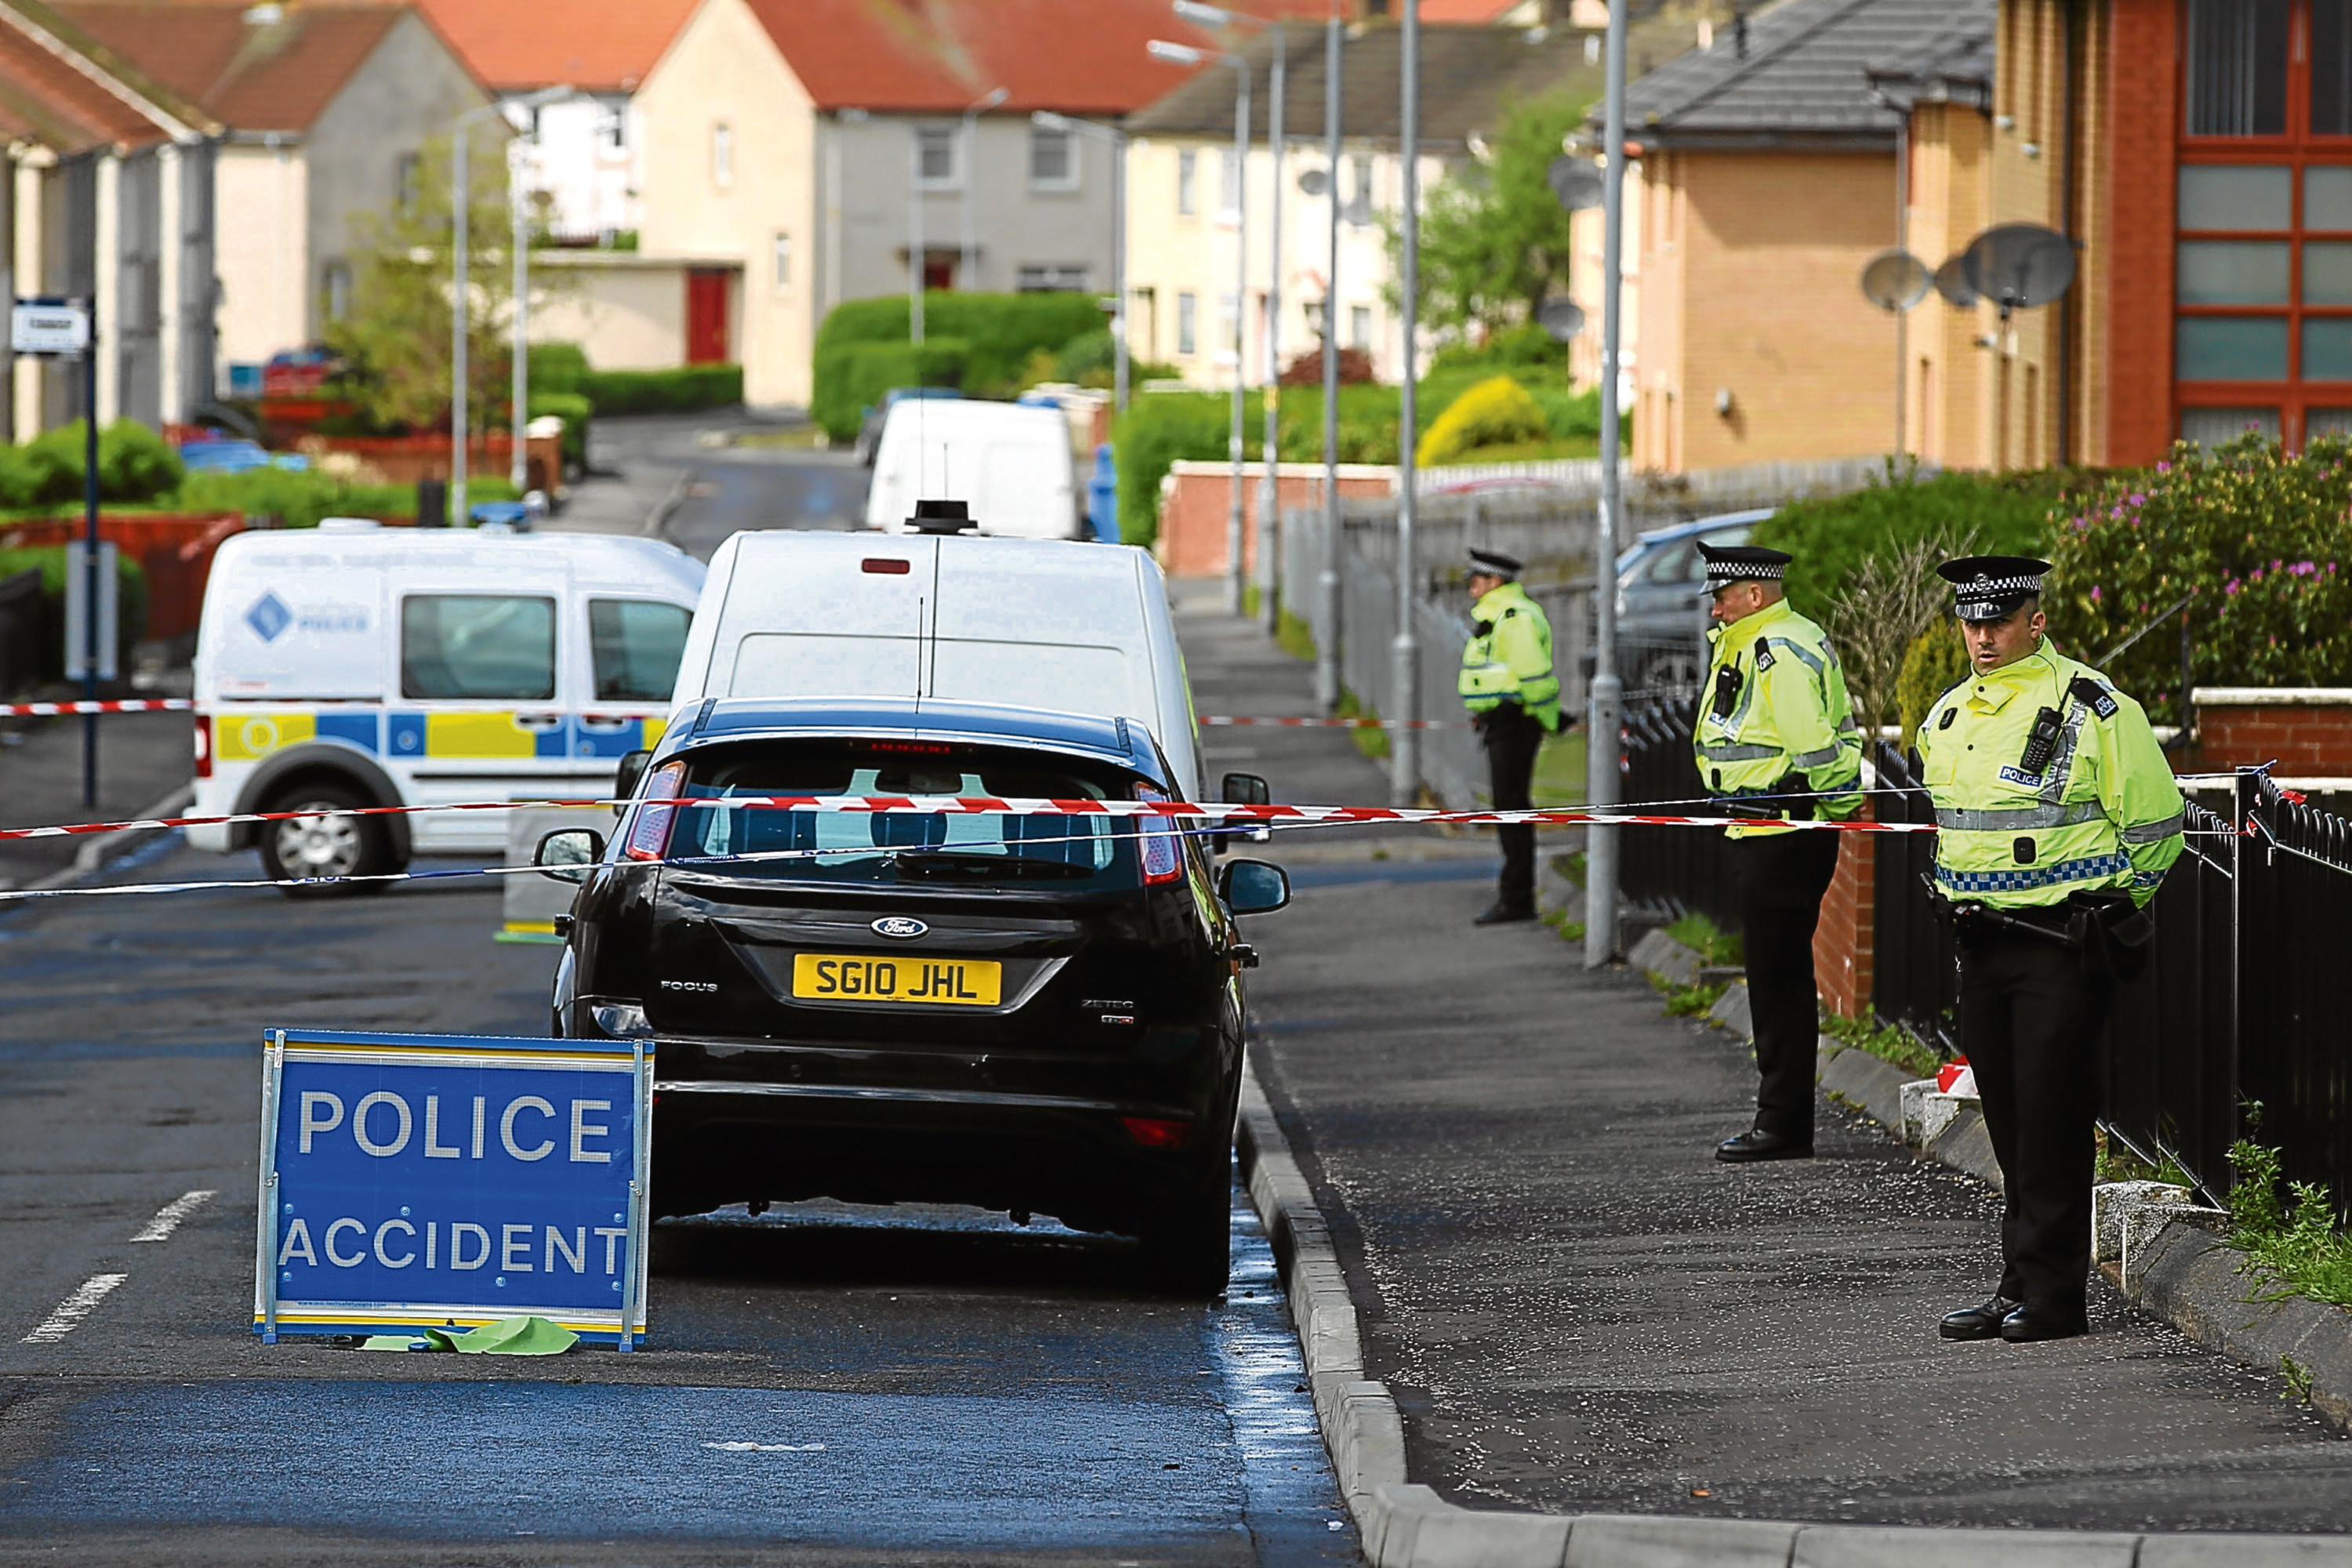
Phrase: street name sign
{"type": "Point", "coordinates": [448, 1181]}
{"type": "Point", "coordinates": [48, 327]}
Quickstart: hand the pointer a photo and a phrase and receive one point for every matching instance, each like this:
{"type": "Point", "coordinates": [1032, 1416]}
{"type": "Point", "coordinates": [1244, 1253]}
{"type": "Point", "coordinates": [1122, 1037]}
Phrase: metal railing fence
{"type": "Point", "coordinates": [1916, 976]}
{"type": "Point", "coordinates": [2293, 1038]}
{"type": "Point", "coordinates": [1668, 873]}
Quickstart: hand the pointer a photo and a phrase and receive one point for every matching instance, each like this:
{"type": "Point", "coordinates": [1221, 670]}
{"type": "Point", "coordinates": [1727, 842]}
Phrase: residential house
{"type": "Point", "coordinates": [108, 201]}
{"type": "Point", "coordinates": [322, 114]}
{"type": "Point", "coordinates": [1769, 178]}
{"type": "Point", "coordinates": [1183, 226]}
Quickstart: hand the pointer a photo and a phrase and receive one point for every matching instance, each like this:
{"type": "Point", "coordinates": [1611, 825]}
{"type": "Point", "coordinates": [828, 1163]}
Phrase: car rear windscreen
{"type": "Point", "coordinates": [980, 848]}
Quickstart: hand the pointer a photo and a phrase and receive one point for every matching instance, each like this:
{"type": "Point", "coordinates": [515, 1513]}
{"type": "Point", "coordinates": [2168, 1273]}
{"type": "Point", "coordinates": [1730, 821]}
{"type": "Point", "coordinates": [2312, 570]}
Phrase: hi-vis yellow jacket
{"type": "Point", "coordinates": [2095, 808]}
{"type": "Point", "coordinates": [1508, 657]}
{"type": "Point", "coordinates": [1774, 717]}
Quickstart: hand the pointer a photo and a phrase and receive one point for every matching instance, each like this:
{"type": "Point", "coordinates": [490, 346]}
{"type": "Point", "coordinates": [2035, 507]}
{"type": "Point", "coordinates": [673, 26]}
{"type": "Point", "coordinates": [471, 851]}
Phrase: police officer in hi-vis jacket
{"type": "Point", "coordinates": [2057, 818]}
{"type": "Point", "coordinates": [1508, 684]}
{"type": "Point", "coordinates": [1777, 742]}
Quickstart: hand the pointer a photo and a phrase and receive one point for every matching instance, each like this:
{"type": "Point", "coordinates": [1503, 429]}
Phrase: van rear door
{"type": "Point", "coordinates": [1042, 625]}
{"type": "Point", "coordinates": [822, 615]}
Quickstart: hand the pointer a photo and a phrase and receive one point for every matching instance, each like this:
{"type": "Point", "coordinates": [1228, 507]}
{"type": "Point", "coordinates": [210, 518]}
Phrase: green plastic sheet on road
{"type": "Point", "coordinates": [508, 1336]}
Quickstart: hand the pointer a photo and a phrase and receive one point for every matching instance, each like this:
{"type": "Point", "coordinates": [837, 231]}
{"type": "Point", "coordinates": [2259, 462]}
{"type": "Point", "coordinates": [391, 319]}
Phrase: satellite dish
{"type": "Point", "coordinates": [1895, 280]}
{"type": "Point", "coordinates": [1315, 182]}
{"type": "Point", "coordinates": [2019, 265]}
{"type": "Point", "coordinates": [1952, 280]}
{"type": "Point", "coordinates": [1563, 318]}
{"type": "Point", "coordinates": [1577, 182]}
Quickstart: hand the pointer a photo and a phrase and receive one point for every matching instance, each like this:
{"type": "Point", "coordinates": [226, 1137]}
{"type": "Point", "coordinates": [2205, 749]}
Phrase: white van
{"type": "Point", "coordinates": [1050, 623]}
{"type": "Point", "coordinates": [1009, 462]}
{"type": "Point", "coordinates": [354, 665]}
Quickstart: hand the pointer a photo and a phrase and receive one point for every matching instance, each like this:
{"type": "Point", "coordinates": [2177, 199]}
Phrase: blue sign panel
{"type": "Point", "coordinates": [446, 1181]}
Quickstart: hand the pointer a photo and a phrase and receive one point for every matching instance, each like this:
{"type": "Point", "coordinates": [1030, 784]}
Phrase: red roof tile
{"type": "Point", "coordinates": [62, 106]}
{"type": "Point", "coordinates": [1076, 56]}
{"type": "Point", "coordinates": [275, 77]}
{"type": "Point", "coordinates": [598, 45]}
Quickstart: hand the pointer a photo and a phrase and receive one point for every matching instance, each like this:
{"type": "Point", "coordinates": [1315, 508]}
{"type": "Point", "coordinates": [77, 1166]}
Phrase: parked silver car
{"type": "Point", "coordinates": [1662, 601]}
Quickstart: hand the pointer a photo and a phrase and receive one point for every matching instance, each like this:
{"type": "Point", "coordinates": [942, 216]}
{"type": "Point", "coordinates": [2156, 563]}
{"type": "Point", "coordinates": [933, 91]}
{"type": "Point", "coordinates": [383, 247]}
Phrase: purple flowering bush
{"type": "Point", "coordinates": [2261, 541]}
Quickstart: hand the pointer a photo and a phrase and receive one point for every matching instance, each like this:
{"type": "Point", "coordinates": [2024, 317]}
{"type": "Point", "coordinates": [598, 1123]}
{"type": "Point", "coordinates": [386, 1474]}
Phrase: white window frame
{"type": "Point", "coordinates": [1188, 182]}
{"type": "Point", "coordinates": [1229, 187]}
{"type": "Point", "coordinates": [1038, 136]}
{"type": "Point", "coordinates": [1188, 323]}
{"type": "Point", "coordinates": [948, 139]}
{"type": "Point", "coordinates": [722, 154]}
{"type": "Point", "coordinates": [780, 262]}
{"type": "Point", "coordinates": [1360, 327]}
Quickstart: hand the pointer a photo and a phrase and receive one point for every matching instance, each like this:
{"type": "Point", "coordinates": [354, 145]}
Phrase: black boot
{"type": "Point", "coordinates": [2044, 1320]}
{"type": "Point", "coordinates": [1981, 1322]}
{"type": "Point", "coordinates": [1757, 1144]}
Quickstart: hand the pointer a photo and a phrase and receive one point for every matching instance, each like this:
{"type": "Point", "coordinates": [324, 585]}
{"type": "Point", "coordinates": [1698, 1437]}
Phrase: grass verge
{"type": "Point", "coordinates": [1706, 938]}
{"type": "Point", "coordinates": [1893, 1043]}
{"type": "Point", "coordinates": [1373, 743]}
{"type": "Point", "coordinates": [2293, 1238]}
{"type": "Point", "coordinates": [1687, 1001]}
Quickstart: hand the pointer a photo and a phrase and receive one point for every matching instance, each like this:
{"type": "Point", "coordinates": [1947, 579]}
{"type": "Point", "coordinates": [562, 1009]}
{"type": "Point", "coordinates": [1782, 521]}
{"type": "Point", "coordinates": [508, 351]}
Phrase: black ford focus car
{"type": "Point", "coordinates": [1035, 1014]}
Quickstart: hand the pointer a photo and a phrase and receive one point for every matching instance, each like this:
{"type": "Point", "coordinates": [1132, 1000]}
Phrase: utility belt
{"type": "Point", "coordinates": [1789, 800]}
{"type": "Point", "coordinates": [2107, 931]}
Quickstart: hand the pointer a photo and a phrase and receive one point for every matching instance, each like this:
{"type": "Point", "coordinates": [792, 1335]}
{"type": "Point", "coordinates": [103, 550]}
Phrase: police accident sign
{"type": "Point", "coordinates": [447, 1181]}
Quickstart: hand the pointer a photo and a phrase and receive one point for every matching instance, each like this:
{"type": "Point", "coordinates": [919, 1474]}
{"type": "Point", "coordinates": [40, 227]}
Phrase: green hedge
{"type": "Point", "coordinates": [681, 391]}
{"type": "Point", "coordinates": [301, 500]}
{"type": "Point", "coordinates": [135, 464]}
{"type": "Point", "coordinates": [999, 333]}
{"type": "Point", "coordinates": [1831, 536]}
{"type": "Point", "coordinates": [50, 561]}
{"type": "Point", "coordinates": [574, 409]}
{"type": "Point", "coordinates": [557, 367]}
{"type": "Point", "coordinates": [853, 376]}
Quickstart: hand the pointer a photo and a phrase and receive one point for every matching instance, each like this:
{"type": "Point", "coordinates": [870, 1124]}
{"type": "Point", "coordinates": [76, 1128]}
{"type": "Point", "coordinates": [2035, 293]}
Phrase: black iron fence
{"type": "Point", "coordinates": [2236, 1027]}
{"type": "Point", "coordinates": [1669, 872]}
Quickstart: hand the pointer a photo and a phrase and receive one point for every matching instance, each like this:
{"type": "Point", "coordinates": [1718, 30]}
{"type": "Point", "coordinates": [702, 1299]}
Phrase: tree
{"type": "Point", "coordinates": [1494, 242]}
{"type": "Point", "coordinates": [396, 334]}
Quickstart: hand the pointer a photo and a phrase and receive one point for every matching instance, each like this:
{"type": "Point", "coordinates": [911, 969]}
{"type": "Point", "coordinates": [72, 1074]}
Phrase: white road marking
{"type": "Point", "coordinates": [767, 1448]}
{"type": "Point", "coordinates": [73, 1309]}
{"type": "Point", "coordinates": [167, 1218]}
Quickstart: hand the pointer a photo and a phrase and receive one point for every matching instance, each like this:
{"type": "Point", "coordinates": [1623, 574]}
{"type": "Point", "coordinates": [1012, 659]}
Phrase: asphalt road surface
{"type": "Point", "coordinates": [821, 1384]}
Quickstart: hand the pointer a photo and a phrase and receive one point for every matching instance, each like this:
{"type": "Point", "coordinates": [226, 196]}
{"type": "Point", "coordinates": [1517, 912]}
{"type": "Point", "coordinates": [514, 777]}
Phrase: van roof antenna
{"type": "Point", "coordinates": [942, 517]}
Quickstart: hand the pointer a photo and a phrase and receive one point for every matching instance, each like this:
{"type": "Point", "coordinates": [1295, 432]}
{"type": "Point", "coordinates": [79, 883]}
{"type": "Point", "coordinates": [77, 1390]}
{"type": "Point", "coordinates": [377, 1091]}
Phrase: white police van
{"type": "Point", "coordinates": [356, 665]}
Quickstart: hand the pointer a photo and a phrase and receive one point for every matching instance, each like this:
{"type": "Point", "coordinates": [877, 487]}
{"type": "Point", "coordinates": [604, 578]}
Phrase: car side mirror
{"type": "Point", "coordinates": [626, 777]}
{"type": "Point", "coordinates": [567, 853]}
{"type": "Point", "coordinates": [1243, 789]}
{"type": "Point", "coordinates": [1253, 887]}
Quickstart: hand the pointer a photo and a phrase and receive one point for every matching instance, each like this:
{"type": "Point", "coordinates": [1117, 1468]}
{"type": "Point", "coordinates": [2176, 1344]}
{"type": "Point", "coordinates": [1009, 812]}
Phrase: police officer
{"type": "Point", "coordinates": [1776, 742]}
{"type": "Point", "coordinates": [2057, 817]}
{"type": "Point", "coordinates": [1514, 699]}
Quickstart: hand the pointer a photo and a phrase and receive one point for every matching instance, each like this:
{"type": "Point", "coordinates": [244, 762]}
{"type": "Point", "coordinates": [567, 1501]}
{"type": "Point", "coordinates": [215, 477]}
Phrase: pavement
{"type": "Point", "coordinates": [1579, 1312]}
{"type": "Point", "coordinates": [142, 758]}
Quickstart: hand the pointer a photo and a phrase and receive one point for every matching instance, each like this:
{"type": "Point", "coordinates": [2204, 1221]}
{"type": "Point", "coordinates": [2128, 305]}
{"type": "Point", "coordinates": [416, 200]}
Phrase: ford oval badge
{"type": "Point", "coordinates": [900, 927]}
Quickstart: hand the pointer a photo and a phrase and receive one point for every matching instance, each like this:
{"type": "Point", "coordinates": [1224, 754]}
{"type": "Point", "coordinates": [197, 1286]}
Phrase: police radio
{"type": "Point", "coordinates": [2041, 741]}
{"type": "Point", "coordinates": [1727, 691]}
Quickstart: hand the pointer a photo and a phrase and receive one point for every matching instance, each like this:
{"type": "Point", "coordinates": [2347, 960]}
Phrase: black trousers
{"type": "Point", "coordinates": [2030, 1022]}
{"type": "Point", "coordinates": [1513, 736]}
{"type": "Point", "coordinates": [1779, 879]}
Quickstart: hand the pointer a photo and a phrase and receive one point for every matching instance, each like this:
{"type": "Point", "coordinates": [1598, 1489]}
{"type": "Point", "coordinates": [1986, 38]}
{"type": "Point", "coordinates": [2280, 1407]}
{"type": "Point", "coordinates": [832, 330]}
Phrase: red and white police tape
{"type": "Point", "coordinates": [132, 705]}
{"type": "Point", "coordinates": [991, 805]}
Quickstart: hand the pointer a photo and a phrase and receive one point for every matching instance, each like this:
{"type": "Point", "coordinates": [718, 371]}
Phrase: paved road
{"type": "Point", "coordinates": [684, 468]}
{"type": "Point", "coordinates": [932, 1386]}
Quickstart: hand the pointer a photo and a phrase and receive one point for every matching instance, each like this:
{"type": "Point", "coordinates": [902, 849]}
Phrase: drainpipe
{"type": "Point", "coordinates": [2068, 319]}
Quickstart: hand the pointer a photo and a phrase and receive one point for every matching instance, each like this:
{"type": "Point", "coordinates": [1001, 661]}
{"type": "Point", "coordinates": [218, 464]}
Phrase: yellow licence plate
{"type": "Point", "coordinates": [927, 982]}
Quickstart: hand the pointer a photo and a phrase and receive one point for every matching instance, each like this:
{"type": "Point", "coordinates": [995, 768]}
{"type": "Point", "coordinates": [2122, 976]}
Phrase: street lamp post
{"type": "Point", "coordinates": [969, 255]}
{"type": "Point", "coordinates": [519, 381]}
{"type": "Point", "coordinates": [1116, 139]}
{"type": "Point", "coordinates": [915, 257]}
{"type": "Point", "coordinates": [1327, 580]}
{"type": "Point", "coordinates": [1602, 725]}
{"type": "Point", "coordinates": [1405, 740]}
{"type": "Point", "coordinates": [461, 299]}
{"type": "Point", "coordinates": [1186, 55]}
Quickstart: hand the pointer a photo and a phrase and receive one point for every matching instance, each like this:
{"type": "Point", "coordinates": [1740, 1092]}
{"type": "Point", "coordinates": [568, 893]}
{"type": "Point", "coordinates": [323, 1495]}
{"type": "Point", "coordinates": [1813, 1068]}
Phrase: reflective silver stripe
{"type": "Point", "coordinates": [1828, 753]}
{"type": "Point", "coordinates": [1851, 726]}
{"type": "Point", "coordinates": [1732, 752]}
{"type": "Point", "coordinates": [2153, 832]}
{"type": "Point", "coordinates": [1807, 655]}
{"type": "Point", "coordinates": [1957, 821]}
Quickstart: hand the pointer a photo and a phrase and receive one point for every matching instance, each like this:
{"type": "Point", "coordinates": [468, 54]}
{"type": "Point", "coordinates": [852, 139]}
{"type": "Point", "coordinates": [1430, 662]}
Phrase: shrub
{"type": "Point", "coordinates": [1830, 536]}
{"type": "Point", "coordinates": [574, 410]}
{"type": "Point", "coordinates": [1307, 368]}
{"type": "Point", "coordinates": [681, 391]}
{"type": "Point", "coordinates": [851, 378]}
{"type": "Point", "coordinates": [301, 500]}
{"type": "Point", "coordinates": [1156, 429]}
{"type": "Point", "coordinates": [1493, 413]}
{"type": "Point", "coordinates": [2261, 543]}
{"type": "Point", "coordinates": [1512, 348]}
{"type": "Point", "coordinates": [135, 464]}
{"type": "Point", "coordinates": [557, 367]}
{"type": "Point", "coordinates": [999, 333]}
{"type": "Point", "coordinates": [1936, 662]}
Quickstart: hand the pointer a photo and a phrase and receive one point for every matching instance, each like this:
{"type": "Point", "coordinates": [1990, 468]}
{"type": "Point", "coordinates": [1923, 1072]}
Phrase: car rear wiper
{"type": "Point", "coordinates": [924, 862]}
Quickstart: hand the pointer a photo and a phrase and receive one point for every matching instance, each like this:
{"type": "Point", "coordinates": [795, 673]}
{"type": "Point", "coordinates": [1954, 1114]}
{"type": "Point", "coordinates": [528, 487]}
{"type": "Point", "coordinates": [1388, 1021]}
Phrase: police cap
{"type": "Point", "coordinates": [1989, 587]}
{"type": "Point", "coordinates": [1730, 564]}
{"type": "Point", "coordinates": [1495, 564]}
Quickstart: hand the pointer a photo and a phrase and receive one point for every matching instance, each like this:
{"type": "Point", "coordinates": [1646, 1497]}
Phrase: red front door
{"type": "Point", "coordinates": [706, 315]}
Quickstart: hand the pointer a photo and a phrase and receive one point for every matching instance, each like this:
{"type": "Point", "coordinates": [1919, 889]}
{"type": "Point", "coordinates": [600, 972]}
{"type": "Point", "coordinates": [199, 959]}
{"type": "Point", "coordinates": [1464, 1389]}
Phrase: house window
{"type": "Point", "coordinates": [1188, 182]}
{"type": "Point", "coordinates": [335, 290]}
{"type": "Point", "coordinates": [1360, 327]}
{"type": "Point", "coordinates": [407, 172]}
{"type": "Point", "coordinates": [723, 153]}
{"type": "Point", "coordinates": [1053, 159]}
{"type": "Point", "coordinates": [1229, 185]}
{"type": "Point", "coordinates": [1188, 323]}
{"type": "Point", "coordinates": [935, 155]}
{"type": "Point", "coordinates": [612, 128]}
{"type": "Point", "coordinates": [2263, 258]}
{"type": "Point", "coordinates": [1360, 204]}
{"type": "Point", "coordinates": [783, 252]}
{"type": "Point", "coordinates": [1052, 279]}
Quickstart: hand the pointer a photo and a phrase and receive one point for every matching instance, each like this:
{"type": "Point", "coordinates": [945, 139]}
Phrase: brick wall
{"type": "Point", "coordinates": [2137, 147]}
{"type": "Point", "coordinates": [1196, 501]}
{"type": "Point", "coordinates": [1843, 942]}
{"type": "Point", "coordinates": [2307, 732]}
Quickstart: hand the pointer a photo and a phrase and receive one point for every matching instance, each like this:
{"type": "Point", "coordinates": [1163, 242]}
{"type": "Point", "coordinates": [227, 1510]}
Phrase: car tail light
{"type": "Point", "coordinates": [887, 565]}
{"type": "Point", "coordinates": [1162, 861]}
{"type": "Point", "coordinates": [649, 832]}
{"type": "Point", "coordinates": [1156, 1132]}
{"type": "Point", "coordinates": [204, 745]}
